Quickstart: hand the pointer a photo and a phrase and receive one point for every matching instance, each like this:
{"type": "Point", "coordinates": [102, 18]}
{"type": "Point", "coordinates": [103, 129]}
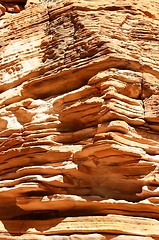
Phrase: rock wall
{"type": "Point", "coordinates": [79, 132]}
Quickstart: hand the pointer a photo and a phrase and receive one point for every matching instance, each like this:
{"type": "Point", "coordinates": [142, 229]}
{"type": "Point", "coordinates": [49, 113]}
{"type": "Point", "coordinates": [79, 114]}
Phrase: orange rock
{"type": "Point", "coordinates": [2, 9]}
{"type": "Point", "coordinates": [79, 142]}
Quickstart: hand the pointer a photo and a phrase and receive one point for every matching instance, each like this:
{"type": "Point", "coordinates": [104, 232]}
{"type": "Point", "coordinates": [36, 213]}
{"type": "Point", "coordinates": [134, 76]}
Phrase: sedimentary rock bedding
{"type": "Point", "coordinates": [79, 133]}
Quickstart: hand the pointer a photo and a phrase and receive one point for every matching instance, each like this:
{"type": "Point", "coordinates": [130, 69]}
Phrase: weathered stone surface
{"type": "Point", "coordinates": [12, 6]}
{"type": "Point", "coordinates": [79, 134]}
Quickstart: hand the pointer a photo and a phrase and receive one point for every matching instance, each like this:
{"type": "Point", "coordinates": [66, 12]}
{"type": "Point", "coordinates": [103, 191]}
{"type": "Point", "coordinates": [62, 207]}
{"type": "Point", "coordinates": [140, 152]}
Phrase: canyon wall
{"type": "Point", "coordinates": [79, 120]}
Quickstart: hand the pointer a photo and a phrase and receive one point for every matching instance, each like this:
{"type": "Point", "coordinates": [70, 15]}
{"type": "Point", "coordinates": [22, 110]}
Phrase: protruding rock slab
{"type": "Point", "coordinates": [110, 224]}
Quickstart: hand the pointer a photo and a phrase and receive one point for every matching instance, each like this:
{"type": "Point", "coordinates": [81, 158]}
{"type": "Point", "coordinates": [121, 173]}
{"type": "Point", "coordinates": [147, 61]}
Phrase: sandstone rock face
{"type": "Point", "coordinates": [79, 120]}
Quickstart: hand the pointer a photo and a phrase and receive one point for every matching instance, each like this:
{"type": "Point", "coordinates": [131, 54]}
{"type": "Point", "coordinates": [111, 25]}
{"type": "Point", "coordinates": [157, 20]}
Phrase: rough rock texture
{"type": "Point", "coordinates": [79, 120]}
{"type": "Point", "coordinates": [12, 6]}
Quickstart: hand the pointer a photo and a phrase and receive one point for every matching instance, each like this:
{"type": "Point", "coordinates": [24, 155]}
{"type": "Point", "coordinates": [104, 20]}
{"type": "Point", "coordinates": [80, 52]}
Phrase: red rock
{"type": "Point", "coordinates": [79, 143]}
{"type": "Point", "coordinates": [2, 9]}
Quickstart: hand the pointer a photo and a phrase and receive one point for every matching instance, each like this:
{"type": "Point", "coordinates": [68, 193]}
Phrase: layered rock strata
{"type": "Point", "coordinates": [79, 133]}
{"type": "Point", "coordinates": [11, 6]}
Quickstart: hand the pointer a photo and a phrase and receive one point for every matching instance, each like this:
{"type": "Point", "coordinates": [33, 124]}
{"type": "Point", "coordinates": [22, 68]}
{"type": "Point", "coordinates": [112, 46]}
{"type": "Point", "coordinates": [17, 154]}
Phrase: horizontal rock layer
{"type": "Point", "coordinates": [79, 134]}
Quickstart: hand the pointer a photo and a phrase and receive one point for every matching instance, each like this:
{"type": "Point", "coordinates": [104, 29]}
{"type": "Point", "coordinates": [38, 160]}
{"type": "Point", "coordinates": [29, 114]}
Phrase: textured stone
{"type": "Point", "coordinates": [11, 6]}
{"type": "Point", "coordinates": [79, 134]}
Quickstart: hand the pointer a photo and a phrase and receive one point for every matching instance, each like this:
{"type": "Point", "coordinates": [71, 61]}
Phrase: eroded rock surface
{"type": "Point", "coordinates": [79, 133]}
